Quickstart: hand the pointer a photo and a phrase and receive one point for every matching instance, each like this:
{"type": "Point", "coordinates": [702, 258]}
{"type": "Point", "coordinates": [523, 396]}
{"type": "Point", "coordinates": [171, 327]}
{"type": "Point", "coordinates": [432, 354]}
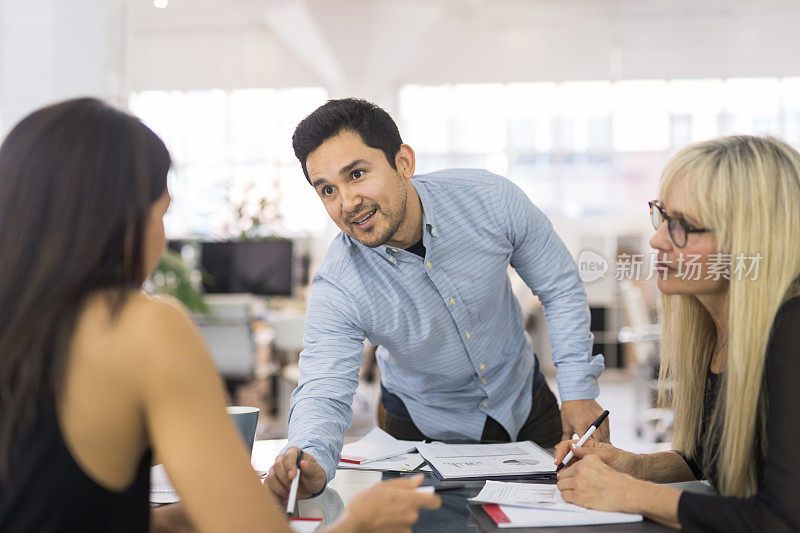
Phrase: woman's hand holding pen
{"type": "Point", "coordinates": [620, 460]}
{"type": "Point", "coordinates": [592, 483]}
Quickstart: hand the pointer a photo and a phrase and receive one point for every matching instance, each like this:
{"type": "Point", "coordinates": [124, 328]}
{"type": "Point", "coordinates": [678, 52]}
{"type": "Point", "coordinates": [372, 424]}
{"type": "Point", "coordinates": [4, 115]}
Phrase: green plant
{"type": "Point", "coordinates": [171, 277]}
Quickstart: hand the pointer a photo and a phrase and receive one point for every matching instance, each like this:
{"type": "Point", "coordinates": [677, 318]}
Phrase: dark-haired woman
{"type": "Point", "coordinates": [95, 376]}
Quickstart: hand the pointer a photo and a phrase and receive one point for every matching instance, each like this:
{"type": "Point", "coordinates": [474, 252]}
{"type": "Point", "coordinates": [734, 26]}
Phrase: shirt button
{"type": "Point", "coordinates": [468, 335]}
{"type": "Point", "coordinates": [485, 404]}
{"type": "Point", "coordinates": [483, 366]}
{"type": "Point", "coordinates": [391, 259]}
{"type": "Point", "coordinates": [394, 249]}
{"type": "Point", "coordinates": [483, 380]}
{"type": "Point", "coordinates": [433, 231]}
{"type": "Point", "coordinates": [428, 264]}
{"type": "Point", "coordinates": [452, 301]}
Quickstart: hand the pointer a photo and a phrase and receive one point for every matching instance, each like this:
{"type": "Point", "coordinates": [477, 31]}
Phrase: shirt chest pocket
{"type": "Point", "coordinates": [475, 307]}
{"type": "Point", "coordinates": [482, 286]}
{"type": "Point", "coordinates": [481, 298]}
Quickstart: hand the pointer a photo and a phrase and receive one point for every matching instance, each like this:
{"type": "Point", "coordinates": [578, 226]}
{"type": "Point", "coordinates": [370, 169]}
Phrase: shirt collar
{"type": "Point", "coordinates": [428, 221]}
{"type": "Point", "coordinates": [393, 254]}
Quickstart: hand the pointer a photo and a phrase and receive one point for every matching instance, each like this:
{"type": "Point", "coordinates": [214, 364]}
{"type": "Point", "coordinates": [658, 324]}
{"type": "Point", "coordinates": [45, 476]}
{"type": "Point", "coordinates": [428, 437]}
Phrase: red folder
{"type": "Point", "coordinates": [496, 514]}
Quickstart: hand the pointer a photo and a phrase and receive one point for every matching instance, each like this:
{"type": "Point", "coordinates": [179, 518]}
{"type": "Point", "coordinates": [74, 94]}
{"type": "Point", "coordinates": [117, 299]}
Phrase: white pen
{"type": "Point", "coordinates": [295, 483]}
{"type": "Point", "coordinates": [583, 440]}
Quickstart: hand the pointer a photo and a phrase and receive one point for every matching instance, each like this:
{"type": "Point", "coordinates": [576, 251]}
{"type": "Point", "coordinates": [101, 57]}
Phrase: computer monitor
{"type": "Point", "coordinates": [257, 267]}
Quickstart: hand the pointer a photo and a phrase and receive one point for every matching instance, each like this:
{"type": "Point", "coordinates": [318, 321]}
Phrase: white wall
{"type": "Point", "coordinates": [53, 49]}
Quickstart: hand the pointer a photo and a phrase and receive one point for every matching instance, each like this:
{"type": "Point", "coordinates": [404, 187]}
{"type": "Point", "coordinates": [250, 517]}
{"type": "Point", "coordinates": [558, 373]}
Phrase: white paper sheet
{"type": "Point", "coordinates": [527, 517]}
{"type": "Point", "coordinates": [523, 495]}
{"type": "Point", "coordinates": [401, 463]}
{"type": "Point", "coordinates": [477, 460]}
{"type": "Point", "coordinates": [304, 526]}
{"type": "Point", "coordinates": [161, 489]}
{"type": "Point", "coordinates": [376, 446]}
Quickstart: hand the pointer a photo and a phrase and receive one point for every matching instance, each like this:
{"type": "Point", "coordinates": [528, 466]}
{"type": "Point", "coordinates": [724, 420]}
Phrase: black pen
{"type": "Point", "coordinates": [592, 429]}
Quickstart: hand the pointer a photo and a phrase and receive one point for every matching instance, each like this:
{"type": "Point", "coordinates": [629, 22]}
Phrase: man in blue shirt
{"type": "Point", "coordinates": [420, 269]}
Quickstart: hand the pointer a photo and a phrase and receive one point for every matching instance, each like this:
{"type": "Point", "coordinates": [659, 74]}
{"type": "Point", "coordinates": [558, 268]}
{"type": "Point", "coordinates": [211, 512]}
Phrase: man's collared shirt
{"type": "Point", "coordinates": [452, 343]}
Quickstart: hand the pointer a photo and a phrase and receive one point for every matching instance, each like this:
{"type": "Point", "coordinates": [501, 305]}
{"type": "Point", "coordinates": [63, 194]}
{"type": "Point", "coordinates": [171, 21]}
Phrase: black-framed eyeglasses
{"type": "Point", "coordinates": [679, 229]}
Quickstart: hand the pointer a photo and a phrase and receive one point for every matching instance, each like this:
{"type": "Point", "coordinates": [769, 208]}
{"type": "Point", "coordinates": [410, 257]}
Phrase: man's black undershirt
{"type": "Point", "coordinates": [417, 248]}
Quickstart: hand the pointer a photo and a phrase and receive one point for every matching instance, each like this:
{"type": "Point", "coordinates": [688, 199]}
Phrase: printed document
{"type": "Point", "coordinates": [523, 495]}
{"type": "Point", "coordinates": [376, 446]}
{"type": "Point", "coordinates": [408, 462]}
{"type": "Point", "coordinates": [532, 505]}
{"type": "Point", "coordinates": [510, 516]}
{"type": "Point", "coordinates": [487, 460]}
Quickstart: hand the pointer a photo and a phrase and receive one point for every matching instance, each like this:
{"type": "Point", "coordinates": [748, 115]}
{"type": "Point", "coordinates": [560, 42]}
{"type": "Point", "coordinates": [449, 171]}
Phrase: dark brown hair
{"type": "Point", "coordinates": [374, 125]}
{"type": "Point", "coordinates": [77, 181]}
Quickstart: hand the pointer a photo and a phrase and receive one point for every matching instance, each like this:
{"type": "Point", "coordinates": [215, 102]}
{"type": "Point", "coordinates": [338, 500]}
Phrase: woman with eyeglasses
{"type": "Point", "coordinates": [730, 348]}
{"type": "Point", "coordinates": [96, 378]}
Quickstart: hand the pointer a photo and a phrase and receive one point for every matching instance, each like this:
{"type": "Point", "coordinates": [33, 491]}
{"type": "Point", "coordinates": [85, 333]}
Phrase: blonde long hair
{"type": "Point", "coordinates": [748, 190]}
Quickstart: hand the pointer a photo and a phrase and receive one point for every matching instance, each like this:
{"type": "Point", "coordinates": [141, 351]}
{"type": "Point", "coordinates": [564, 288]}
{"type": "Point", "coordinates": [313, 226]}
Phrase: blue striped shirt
{"type": "Point", "coordinates": [451, 335]}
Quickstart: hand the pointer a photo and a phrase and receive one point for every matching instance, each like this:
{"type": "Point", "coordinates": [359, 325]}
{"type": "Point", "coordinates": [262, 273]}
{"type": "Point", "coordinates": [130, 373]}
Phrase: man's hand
{"type": "Point", "coordinates": [578, 415]}
{"type": "Point", "coordinates": [279, 479]}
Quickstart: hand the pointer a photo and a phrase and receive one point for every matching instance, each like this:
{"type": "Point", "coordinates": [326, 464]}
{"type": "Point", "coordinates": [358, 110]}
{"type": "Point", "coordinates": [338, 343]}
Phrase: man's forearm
{"type": "Point", "coordinates": [318, 428]}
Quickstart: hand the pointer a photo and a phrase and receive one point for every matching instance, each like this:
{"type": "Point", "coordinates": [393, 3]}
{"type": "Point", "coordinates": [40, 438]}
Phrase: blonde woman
{"type": "Point", "coordinates": [729, 207]}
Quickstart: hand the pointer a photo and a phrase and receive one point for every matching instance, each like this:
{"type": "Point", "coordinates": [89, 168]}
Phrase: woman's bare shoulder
{"type": "Point", "coordinates": [140, 326]}
{"type": "Point", "coordinates": [142, 308]}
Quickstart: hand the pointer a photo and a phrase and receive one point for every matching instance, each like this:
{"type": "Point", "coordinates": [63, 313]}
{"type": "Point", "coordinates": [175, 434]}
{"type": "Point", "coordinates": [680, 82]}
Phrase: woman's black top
{"type": "Point", "coordinates": [776, 505]}
{"type": "Point", "coordinates": [47, 490]}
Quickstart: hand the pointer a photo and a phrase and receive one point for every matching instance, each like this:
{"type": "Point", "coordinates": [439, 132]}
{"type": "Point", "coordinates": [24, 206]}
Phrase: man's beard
{"type": "Point", "coordinates": [394, 219]}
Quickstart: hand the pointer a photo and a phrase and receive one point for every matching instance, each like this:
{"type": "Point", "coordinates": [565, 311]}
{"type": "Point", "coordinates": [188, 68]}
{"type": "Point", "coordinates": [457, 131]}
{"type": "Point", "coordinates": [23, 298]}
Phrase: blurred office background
{"type": "Point", "coordinates": [580, 102]}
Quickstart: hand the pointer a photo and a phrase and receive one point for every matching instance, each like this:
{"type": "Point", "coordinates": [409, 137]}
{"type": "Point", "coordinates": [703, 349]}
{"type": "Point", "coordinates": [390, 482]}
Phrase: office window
{"type": "Point", "coordinates": [231, 149]}
{"type": "Point", "coordinates": [698, 103]}
{"type": "Point", "coordinates": [577, 147]}
{"type": "Point", "coordinates": [564, 133]}
{"type": "Point", "coordinates": [790, 102]}
{"type": "Point", "coordinates": [726, 123]}
{"type": "Point", "coordinates": [599, 135]}
{"type": "Point", "coordinates": [588, 147]}
{"type": "Point", "coordinates": [680, 131]}
{"type": "Point", "coordinates": [791, 128]}
{"type": "Point", "coordinates": [753, 105]}
{"type": "Point", "coordinates": [641, 116]}
{"type": "Point", "coordinates": [521, 135]}
{"type": "Point", "coordinates": [766, 125]}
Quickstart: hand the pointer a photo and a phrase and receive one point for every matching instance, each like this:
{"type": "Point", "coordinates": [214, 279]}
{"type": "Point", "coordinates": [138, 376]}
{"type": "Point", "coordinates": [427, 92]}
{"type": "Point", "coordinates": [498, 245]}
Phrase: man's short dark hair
{"type": "Point", "coordinates": [374, 125]}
